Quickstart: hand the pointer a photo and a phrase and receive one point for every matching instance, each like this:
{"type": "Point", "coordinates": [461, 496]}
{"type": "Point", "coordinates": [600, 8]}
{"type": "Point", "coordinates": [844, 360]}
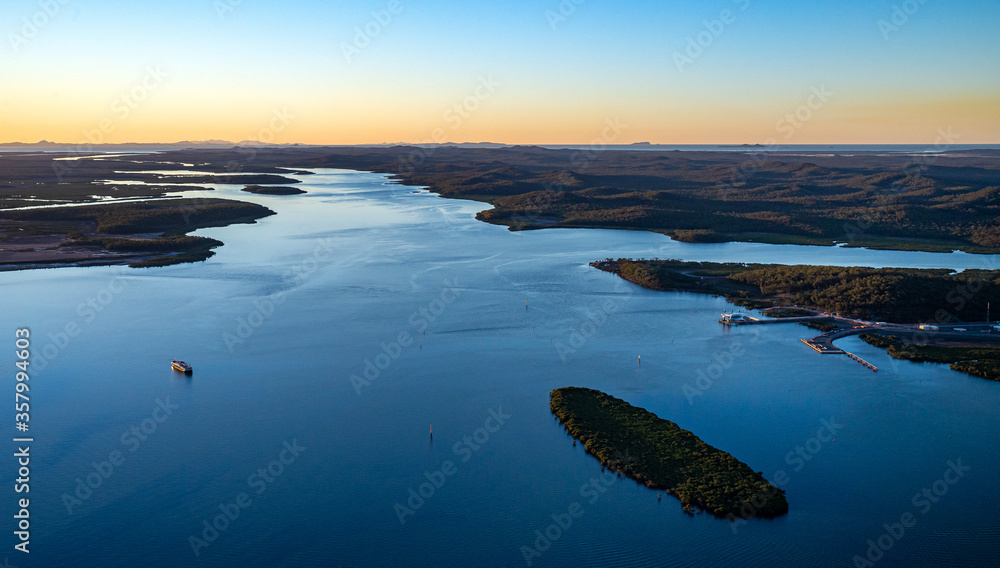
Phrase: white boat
{"type": "Point", "coordinates": [735, 318]}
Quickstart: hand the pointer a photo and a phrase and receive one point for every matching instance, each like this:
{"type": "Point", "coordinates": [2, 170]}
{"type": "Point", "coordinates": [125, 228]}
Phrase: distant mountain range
{"type": "Point", "coordinates": [213, 144]}
{"type": "Point", "coordinates": [184, 144]}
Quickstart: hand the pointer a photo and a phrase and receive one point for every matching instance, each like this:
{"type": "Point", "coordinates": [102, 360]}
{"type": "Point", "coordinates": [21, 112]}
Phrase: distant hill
{"type": "Point", "coordinates": [84, 146]}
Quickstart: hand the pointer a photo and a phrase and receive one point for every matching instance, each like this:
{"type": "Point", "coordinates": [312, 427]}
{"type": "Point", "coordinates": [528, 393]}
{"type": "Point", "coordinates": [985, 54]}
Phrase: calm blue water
{"type": "Point", "coordinates": [293, 306]}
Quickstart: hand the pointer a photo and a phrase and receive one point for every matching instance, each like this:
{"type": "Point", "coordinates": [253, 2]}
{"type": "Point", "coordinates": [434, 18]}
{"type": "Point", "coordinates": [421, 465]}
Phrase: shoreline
{"type": "Point", "coordinates": [968, 346]}
{"type": "Point", "coordinates": [693, 196]}
{"type": "Point", "coordinates": [554, 196]}
{"type": "Point", "coordinates": [659, 454]}
{"type": "Point", "coordinates": [140, 234]}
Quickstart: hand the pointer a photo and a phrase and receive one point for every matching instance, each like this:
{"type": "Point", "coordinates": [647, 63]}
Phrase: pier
{"type": "Point", "coordinates": [825, 348]}
{"type": "Point", "coordinates": [743, 319]}
{"type": "Point", "coordinates": [860, 360]}
{"type": "Point", "coordinates": [822, 343]}
{"type": "Point", "coordinates": [974, 332]}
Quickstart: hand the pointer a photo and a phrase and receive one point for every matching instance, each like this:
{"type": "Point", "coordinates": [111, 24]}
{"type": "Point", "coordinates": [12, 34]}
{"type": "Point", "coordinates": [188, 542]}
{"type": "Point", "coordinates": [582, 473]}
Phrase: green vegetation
{"type": "Point", "coordinates": [183, 248]}
{"type": "Point", "coordinates": [33, 178]}
{"type": "Point", "coordinates": [135, 229]}
{"type": "Point", "coordinates": [787, 313]}
{"type": "Point", "coordinates": [986, 368]}
{"type": "Point", "coordinates": [174, 216]}
{"type": "Point", "coordinates": [661, 455]}
{"type": "Point", "coordinates": [238, 179]}
{"type": "Point", "coordinates": [272, 190]}
{"type": "Point", "coordinates": [129, 231]}
{"type": "Point", "coordinates": [883, 342]}
{"type": "Point", "coordinates": [890, 294]}
{"type": "Point", "coordinates": [978, 361]}
{"type": "Point", "coordinates": [676, 275]}
{"type": "Point", "coordinates": [863, 199]}
{"type": "Point", "coordinates": [821, 326]}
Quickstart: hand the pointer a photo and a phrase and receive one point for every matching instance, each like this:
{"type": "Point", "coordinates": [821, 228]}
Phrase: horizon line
{"type": "Point", "coordinates": [214, 142]}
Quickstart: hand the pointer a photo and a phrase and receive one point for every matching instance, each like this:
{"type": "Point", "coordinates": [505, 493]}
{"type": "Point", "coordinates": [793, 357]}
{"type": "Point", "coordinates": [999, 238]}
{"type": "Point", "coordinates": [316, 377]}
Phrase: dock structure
{"type": "Point", "coordinates": [738, 319]}
{"type": "Point", "coordinates": [823, 347]}
{"type": "Point", "coordinates": [860, 360]}
{"type": "Point", "coordinates": [743, 319]}
{"type": "Point", "coordinates": [976, 332]}
{"type": "Point", "coordinates": [822, 344]}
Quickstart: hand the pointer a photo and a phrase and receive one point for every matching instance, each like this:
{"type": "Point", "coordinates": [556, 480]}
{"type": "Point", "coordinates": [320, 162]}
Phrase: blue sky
{"type": "Point", "coordinates": [229, 69]}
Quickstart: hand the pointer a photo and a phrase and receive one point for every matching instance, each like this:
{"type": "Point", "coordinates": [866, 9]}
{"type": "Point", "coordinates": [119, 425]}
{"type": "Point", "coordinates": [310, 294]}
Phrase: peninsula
{"type": "Point", "coordinates": [922, 315]}
{"type": "Point", "coordinates": [140, 234]}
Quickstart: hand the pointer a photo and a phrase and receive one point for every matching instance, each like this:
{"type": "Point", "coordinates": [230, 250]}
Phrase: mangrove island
{"type": "Point", "coordinates": [662, 455]}
{"type": "Point", "coordinates": [272, 190]}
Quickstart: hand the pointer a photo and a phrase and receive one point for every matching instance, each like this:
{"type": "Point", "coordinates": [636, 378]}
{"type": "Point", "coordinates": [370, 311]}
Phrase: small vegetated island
{"type": "Point", "coordinates": [272, 190]}
{"type": "Point", "coordinates": [662, 455]}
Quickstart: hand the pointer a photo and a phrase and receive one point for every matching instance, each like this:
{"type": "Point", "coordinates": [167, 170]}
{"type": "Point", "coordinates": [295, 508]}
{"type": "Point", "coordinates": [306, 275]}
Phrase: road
{"type": "Point", "coordinates": [980, 332]}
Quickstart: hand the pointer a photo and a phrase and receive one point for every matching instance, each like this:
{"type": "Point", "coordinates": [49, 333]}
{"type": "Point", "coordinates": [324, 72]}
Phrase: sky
{"type": "Point", "coordinates": [516, 71]}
